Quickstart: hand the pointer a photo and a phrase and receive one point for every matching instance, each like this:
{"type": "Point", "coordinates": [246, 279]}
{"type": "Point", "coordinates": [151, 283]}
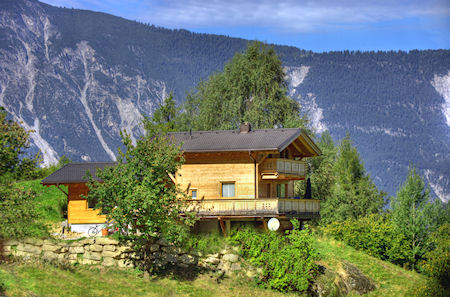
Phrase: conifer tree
{"type": "Point", "coordinates": [166, 114]}
{"type": "Point", "coordinates": [414, 215]}
{"type": "Point", "coordinates": [353, 194]}
{"type": "Point", "coordinates": [321, 170]}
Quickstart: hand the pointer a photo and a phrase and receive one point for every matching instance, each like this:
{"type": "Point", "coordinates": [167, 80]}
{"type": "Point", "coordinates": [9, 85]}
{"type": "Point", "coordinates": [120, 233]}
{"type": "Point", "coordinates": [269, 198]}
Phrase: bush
{"type": "Point", "coordinates": [209, 243]}
{"type": "Point", "coordinates": [288, 262]}
{"type": "Point", "coordinates": [437, 263]}
{"type": "Point", "coordinates": [18, 215]}
{"type": "Point", "coordinates": [431, 288]}
{"type": "Point", "coordinates": [372, 234]}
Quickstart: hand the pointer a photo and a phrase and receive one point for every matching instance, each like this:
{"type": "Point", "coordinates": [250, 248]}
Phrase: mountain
{"type": "Point", "coordinates": [78, 77]}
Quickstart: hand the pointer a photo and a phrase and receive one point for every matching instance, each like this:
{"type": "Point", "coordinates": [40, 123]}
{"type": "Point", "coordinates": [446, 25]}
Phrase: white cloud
{"type": "Point", "coordinates": [286, 15]}
{"type": "Point", "coordinates": [291, 15]}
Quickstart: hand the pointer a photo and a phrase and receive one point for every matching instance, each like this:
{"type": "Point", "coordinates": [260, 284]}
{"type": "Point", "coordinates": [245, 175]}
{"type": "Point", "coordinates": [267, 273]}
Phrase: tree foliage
{"type": "Point", "coordinates": [353, 193]}
{"type": "Point", "coordinates": [18, 212]}
{"type": "Point", "coordinates": [18, 215]}
{"type": "Point", "coordinates": [437, 261]}
{"type": "Point", "coordinates": [321, 170]}
{"type": "Point", "coordinates": [414, 215]}
{"type": "Point", "coordinates": [14, 140]}
{"type": "Point", "coordinates": [374, 234]}
{"type": "Point", "coordinates": [165, 116]}
{"type": "Point", "coordinates": [251, 88]}
{"type": "Point", "coordinates": [138, 194]}
{"type": "Point", "coordinates": [287, 262]}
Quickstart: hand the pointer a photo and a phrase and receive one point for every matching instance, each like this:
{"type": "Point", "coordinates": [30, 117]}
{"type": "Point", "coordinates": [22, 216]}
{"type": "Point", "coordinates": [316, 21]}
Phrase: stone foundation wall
{"type": "Point", "coordinates": [108, 252]}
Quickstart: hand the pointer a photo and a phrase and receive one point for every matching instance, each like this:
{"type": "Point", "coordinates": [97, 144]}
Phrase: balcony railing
{"type": "Point", "coordinates": [268, 207]}
{"type": "Point", "coordinates": [273, 168]}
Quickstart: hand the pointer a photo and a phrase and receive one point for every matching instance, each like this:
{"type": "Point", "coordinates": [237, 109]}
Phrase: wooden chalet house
{"type": "Point", "coordinates": [230, 175]}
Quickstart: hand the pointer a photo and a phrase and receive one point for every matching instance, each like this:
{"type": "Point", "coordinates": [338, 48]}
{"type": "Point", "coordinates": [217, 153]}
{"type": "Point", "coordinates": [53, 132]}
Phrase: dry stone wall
{"type": "Point", "coordinates": [109, 252]}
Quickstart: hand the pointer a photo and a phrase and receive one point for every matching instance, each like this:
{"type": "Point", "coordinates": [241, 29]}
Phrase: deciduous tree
{"type": "Point", "coordinates": [18, 215]}
{"type": "Point", "coordinates": [14, 140]}
{"type": "Point", "coordinates": [251, 88]}
{"type": "Point", "coordinates": [138, 194]}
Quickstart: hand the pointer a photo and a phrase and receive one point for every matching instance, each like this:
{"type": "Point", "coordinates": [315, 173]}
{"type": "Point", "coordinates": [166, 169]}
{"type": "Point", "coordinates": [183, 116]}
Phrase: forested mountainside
{"type": "Point", "coordinates": [78, 77]}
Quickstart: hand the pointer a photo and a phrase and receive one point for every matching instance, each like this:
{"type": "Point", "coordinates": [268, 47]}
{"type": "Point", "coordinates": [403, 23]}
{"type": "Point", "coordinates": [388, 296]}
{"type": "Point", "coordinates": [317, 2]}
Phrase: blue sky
{"type": "Point", "coordinates": [317, 25]}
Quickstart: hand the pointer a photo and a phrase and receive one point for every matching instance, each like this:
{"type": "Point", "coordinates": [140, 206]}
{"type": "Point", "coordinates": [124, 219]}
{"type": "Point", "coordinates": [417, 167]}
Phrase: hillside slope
{"type": "Point", "coordinates": [78, 77]}
{"type": "Point", "coordinates": [20, 279]}
{"type": "Point", "coordinates": [390, 279]}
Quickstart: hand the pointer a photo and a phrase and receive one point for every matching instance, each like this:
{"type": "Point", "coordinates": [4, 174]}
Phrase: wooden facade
{"type": "Point", "coordinates": [263, 184]}
{"type": "Point", "coordinates": [78, 210]}
{"type": "Point", "coordinates": [229, 175]}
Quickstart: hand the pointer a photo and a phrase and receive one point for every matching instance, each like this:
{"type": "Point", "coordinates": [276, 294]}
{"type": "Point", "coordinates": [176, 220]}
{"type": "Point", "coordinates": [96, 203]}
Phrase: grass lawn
{"type": "Point", "coordinates": [50, 201]}
{"type": "Point", "coordinates": [37, 279]}
{"type": "Point", "coordinates": [390, 279]}
{"type": "Point", "coordinates": [21, 279]}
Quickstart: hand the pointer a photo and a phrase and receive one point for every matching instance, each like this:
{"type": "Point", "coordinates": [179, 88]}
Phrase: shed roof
{"type": "Point", "coordinates": [234, 140]}
{"type": "Point", "coordinates": [73, 173]}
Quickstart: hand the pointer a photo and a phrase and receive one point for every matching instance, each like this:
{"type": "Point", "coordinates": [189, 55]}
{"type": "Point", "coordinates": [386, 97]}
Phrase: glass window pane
{"type": "Point", "coordinates": [281, 190]}
{"type": "Point", "coordinates": [194, 194]}
{"type": "Point", "coordinates": [228, 190]}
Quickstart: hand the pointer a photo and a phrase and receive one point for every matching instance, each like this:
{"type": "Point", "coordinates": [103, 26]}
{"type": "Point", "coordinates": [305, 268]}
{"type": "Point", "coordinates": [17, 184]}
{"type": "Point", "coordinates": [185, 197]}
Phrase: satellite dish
{"type": "Point", "coordinates": [273, 224]}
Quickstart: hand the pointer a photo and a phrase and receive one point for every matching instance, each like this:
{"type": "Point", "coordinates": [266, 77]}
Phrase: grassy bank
{"type": "Point", "coordinates": [46, 280]}
{"type": "Point", "coordinates": [25, 279]}
{"type": "Point", "coordinates": [50, 202]}
{"type": "Point", "coordinates": [391, 280]}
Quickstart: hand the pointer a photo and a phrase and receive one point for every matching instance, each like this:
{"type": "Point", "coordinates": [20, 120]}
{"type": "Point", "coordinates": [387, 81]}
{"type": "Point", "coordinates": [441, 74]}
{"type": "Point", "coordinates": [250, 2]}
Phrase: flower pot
{"type": "Point", "coordinates": [105, 232]}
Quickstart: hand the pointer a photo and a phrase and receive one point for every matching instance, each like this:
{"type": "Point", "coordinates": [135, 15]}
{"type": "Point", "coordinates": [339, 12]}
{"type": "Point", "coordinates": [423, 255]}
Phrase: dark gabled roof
{"type": "Point", "coordinates": [199, 141]}
{"type": "Point", "coordinates": [233, 140]}
{"type": "Point", "coordinates": [73, 173]}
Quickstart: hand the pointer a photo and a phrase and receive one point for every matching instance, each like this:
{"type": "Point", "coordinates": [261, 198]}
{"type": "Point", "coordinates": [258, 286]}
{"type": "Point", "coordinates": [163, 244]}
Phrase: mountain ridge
{"type": "Point", "coordinates": [78, 77]}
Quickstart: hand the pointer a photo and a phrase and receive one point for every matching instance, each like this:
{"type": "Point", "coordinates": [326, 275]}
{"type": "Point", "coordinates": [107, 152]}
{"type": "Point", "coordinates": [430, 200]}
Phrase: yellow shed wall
{"type": "Point", "coordinates": [77, 208]}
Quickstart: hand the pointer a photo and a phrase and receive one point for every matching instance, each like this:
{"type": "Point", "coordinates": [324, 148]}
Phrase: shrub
{"type": "Point", "coordinates": [437, 263]}
{"type": "Point", "coordinates": [18, 215]}
{"type": "Point", "coordinates": [374, 234]}
{"type": "Point", "coordinates": [206, 243]}
{"type": "Point", "coordinates": [288, 262]}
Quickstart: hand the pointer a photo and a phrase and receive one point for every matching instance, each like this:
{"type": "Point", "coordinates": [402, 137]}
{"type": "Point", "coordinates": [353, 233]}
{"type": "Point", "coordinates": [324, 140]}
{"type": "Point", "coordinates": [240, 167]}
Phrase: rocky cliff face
{"type": "Point", "coordinates": [77, 78]}
{"type": "Point", "coordinates": [74, 100]}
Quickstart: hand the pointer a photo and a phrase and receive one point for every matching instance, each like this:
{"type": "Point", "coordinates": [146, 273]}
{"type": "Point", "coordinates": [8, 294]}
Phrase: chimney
{"type": "Point", "coordinates": [245, 127]}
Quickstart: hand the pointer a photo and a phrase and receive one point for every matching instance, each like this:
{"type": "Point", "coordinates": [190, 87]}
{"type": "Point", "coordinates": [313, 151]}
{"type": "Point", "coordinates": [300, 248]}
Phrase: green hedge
{"type": "Point", "coordinates": [373, 234]}
{"type": "Point", "coordinates": [288, 262]}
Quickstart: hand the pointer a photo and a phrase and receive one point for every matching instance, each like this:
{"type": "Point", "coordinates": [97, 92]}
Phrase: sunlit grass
{"type": "Point", "coordinates": [50, 201]}
{"type": "Point", "coordinates": [21, 279]}
{"type": "Point", "coordinates": [390, 279]}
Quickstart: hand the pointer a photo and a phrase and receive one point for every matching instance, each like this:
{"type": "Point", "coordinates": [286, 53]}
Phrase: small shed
{"type": "Point", "coordinates": [80, 214]}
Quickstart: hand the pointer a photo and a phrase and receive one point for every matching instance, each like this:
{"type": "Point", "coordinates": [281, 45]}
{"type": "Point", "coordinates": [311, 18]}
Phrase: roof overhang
{"type": "Point", "coordinates": [312, 150]}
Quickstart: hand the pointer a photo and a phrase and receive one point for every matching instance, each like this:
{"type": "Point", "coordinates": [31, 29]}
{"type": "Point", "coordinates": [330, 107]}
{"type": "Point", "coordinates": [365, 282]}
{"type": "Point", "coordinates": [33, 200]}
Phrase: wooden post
{"type": "Point", "coordinates": [222, 226]}
{"type": "Point", "coordinates": [265, 225]}
{"type": "Point", "coordinates": [228, 227]}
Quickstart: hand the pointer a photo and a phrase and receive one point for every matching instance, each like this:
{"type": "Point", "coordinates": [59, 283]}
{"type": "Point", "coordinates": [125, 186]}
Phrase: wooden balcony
{"type": "Point", "coordinates": [268, 207]}
{"type": "Point", "coordinates": [276, 168]}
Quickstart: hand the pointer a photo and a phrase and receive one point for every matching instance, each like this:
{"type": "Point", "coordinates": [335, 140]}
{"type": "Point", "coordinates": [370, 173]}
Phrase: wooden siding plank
{"type": "Point", "coordinates": [77, 208]}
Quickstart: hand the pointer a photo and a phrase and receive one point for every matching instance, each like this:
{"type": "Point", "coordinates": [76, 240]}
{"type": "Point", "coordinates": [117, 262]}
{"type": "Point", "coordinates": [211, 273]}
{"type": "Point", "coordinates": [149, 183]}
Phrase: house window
{"type": "Point", "coordinates": [228, 189]}
{"type": "Point", "coordinates": [194, 193]}
{"type": "Point", "coordinates": [281, 190]}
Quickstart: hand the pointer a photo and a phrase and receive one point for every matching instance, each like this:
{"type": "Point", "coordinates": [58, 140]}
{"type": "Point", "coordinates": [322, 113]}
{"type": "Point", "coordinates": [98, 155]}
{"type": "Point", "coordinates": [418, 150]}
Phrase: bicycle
{"type": "Point", "coordinates": [95, 230]}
